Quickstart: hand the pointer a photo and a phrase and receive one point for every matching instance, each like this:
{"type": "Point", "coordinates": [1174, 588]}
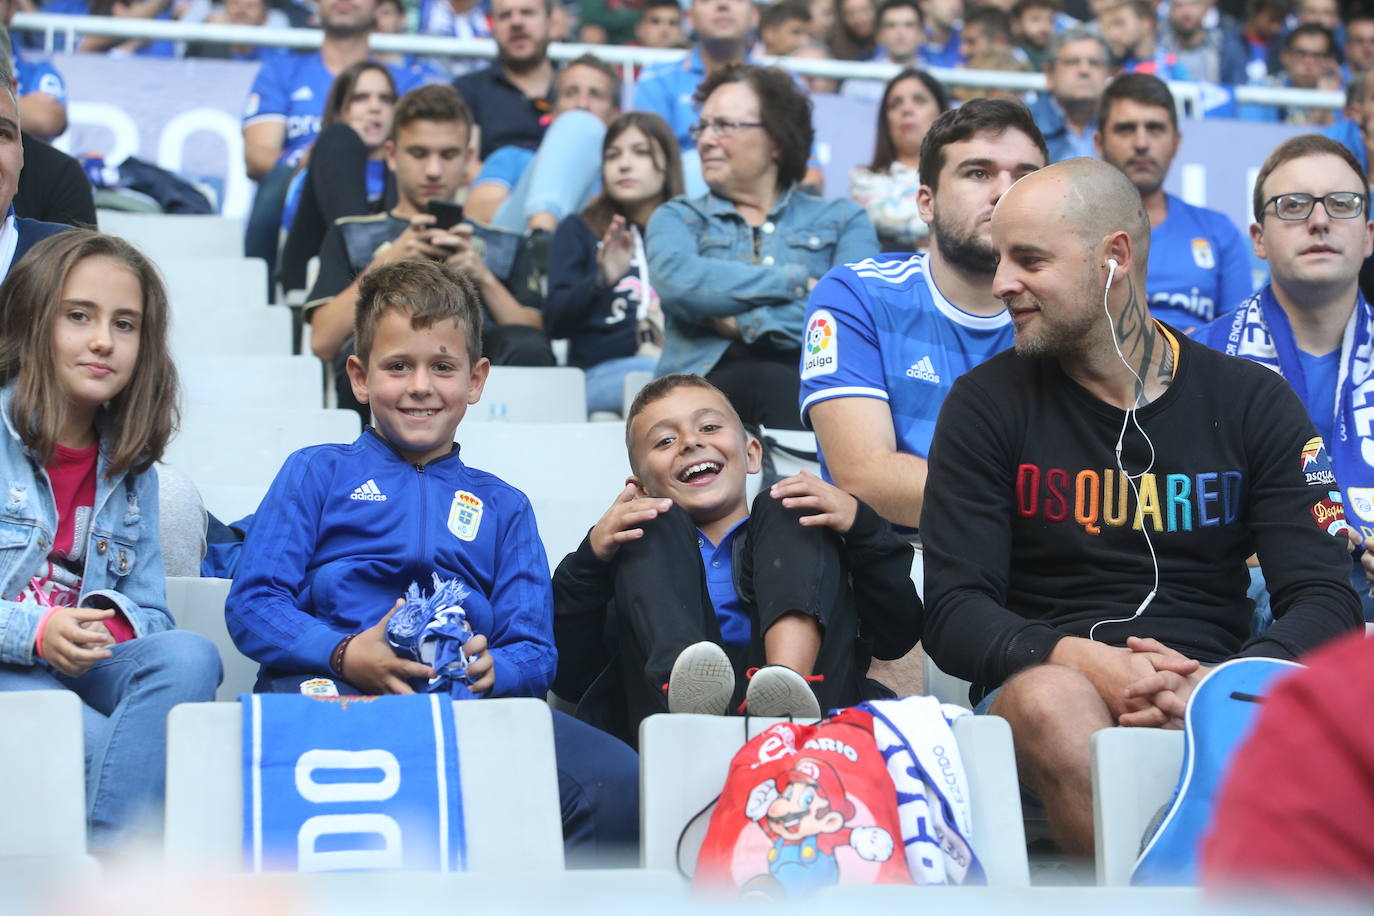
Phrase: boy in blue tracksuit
{"type": "Point", "coordinates": [345, 529]}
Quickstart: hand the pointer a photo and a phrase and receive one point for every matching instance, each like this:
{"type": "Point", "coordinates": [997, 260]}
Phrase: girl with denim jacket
{"type": "Point", "coordinates": [88, 404]}
{"type": "Point", "coordinates": [734, 267]}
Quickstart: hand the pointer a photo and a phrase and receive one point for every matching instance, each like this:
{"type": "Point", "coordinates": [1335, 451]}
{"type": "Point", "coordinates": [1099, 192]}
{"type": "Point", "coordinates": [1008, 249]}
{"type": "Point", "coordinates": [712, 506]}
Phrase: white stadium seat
{"type": "Point", "coordinates": [252, 381]}
{"type": "Point", "coordinates": [226, 446]}
{"type": "Point", "coordinates": [247, 331]}
{"type": "Point", "coordinates": [518, 394]}
{"type": "Point", "coordinates": [684, 759]}
{"type": "Point", "coordinates": [1134, 773]}
{"type": "Point", "coordinates": [505, 757]}
{"type": "Point", "coordinates": [551, 459]}
{"type": "Point", "coordinates": [197, 605]}
{"type": "Point", "coordinates": [42, 780]}
{"type": "Point", "coordinates": [164, 236]}
{"type": "Point", "coordinates": [196, 286]}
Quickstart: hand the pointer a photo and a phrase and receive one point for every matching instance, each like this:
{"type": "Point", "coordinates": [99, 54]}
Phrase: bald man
{"type": "Point", "coordinates": [1042, 586]}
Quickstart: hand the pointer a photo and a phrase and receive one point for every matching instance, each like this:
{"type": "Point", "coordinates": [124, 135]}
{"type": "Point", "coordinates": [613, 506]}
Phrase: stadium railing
{"type": "Point", "coordinates": [1188, 95]}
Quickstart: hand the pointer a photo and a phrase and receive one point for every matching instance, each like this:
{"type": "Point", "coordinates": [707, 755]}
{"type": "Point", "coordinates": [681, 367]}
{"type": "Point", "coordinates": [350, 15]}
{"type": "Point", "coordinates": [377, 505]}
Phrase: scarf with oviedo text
{"type": "Point", "coordinates": [1260, 331]}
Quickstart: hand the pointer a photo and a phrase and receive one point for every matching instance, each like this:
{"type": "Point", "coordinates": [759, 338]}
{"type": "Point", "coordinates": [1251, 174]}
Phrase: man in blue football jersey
{"type": "Point", "coordinates": [1198, 267]}
{"type": "Point", "coordinates": [887, 336]}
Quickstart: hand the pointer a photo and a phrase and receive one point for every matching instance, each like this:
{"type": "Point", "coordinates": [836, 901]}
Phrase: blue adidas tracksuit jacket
{"type": "Point", "coordinates": [345, 528]}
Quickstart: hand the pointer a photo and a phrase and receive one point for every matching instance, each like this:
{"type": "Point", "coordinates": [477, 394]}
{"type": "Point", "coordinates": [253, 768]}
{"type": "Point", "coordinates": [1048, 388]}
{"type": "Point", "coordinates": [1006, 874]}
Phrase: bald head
{"type": "Point", "coordinates": [1088, 197]}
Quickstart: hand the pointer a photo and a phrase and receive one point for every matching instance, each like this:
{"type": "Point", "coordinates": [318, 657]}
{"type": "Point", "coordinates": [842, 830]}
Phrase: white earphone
{"type": "Point", "coordinates": [1127, 420]}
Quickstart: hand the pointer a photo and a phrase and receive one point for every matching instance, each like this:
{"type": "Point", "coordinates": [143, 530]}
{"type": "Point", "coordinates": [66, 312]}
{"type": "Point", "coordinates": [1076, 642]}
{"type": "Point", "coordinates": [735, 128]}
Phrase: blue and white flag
{"type": "Point", "coordinates": [351, 784]}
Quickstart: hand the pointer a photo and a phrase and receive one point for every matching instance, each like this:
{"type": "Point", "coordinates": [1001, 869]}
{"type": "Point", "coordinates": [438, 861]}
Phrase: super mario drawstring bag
{"type": "Point", "coordinates": [804, 807]}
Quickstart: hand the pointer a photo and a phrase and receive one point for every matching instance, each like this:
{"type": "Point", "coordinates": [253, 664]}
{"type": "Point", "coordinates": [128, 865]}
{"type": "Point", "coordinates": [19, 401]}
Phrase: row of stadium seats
{"type": "Point", "coordinates": [683, 764]}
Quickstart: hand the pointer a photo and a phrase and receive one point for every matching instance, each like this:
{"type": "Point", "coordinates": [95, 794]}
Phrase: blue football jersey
{"type": "Point", "coordinates": [879, 328]}
{"type": "Point", "coordinates": [1198, 266]}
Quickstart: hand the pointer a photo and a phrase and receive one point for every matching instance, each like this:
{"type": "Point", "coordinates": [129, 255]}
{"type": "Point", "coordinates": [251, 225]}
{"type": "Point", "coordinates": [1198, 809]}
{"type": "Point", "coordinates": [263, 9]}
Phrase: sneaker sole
{"type": "Point", "coordinates": [781, 692]}
{"type": "Point", "coordinates": [702, 681]}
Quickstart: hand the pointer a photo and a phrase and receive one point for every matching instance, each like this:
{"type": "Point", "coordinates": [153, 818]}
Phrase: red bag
{"type": "Point", "coordinates": [805, 807]}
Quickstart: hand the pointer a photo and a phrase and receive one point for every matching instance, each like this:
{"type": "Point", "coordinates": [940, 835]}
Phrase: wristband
{"type": "Point", "coordinates": [38, 634]}
{"type": "Point", "coordinates": [337, 656]}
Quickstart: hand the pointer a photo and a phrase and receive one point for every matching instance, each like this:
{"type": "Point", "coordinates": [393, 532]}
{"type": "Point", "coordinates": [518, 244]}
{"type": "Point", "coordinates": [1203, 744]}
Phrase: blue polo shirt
{"type": "Point", "coordinates": [668, 89]}
{"type": "Point", "coordinates": [1198, 266]}
{"type": "Point", "coordinates": [292, 88]}
{"type": "Point", "coordinates": [505, 166]}
{"type": "Point", "coordinates": [37, 76]}
{"type": "Point", "coordinates": [880, 328]}
{"type": "Point", "coordinates": [719, 564]}
{"type": "Point", "coordinates": [945, 55]}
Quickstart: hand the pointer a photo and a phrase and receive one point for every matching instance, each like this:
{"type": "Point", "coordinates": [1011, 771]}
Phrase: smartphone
{"type": "Point", "coordinates": [446, 214]}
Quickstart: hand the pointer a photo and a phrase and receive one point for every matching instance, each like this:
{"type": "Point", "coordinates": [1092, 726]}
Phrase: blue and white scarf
{"type": "Point", "coordinates": [351, 784]}
{"type": "Point", "coordinates": [1258, 330]}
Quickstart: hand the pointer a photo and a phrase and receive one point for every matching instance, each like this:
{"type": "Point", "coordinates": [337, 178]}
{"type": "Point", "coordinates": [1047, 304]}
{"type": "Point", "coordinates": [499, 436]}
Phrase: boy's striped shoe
{"type": "Point", "coordinates": [702, 680]}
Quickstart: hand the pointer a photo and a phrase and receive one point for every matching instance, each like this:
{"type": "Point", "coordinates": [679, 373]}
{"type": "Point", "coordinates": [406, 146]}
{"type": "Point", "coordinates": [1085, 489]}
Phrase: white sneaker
{"type": "Point", "coordinates": [779, 691]}
{"type": "Point", "coordinates": [702, 680]}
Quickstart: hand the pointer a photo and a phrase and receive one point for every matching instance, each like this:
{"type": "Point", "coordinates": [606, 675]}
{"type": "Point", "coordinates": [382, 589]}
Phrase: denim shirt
{"type": "Point", "coordinates": [703, 265]}
{"type": "Point", "coordinates": [123, 563]}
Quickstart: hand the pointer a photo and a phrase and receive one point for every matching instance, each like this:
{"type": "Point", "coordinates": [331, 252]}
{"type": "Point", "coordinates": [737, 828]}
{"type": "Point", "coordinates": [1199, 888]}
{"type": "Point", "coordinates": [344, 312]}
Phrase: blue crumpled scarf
{"type": "Point", "coordinates": [432, 630]}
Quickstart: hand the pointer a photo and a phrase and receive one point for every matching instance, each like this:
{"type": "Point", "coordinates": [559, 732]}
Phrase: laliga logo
{"type": "Point", "coordinates": [818, 335]}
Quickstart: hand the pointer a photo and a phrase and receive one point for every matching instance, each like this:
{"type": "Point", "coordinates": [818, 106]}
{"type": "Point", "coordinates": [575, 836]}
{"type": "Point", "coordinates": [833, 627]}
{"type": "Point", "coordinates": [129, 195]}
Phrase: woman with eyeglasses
{"type": "Point", "coordinates": [734, 266]}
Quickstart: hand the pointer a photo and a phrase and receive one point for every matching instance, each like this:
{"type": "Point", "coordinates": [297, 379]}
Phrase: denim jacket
{"type": "Point", "coordinates": [703, 264]}
{"type": "Point", "coordinates": [123, 563]}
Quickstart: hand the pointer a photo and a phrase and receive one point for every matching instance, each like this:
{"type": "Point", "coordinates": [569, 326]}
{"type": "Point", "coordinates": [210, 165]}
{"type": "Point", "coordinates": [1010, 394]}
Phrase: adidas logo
{"type": "Point", "coordinates": [368, 492]}
{"type": "Point", "coordinates": [924, 370]}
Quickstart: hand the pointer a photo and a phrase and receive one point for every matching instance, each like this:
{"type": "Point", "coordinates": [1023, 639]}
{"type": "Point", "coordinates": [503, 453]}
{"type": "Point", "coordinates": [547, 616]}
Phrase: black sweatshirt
{"type": "Point", "coordinates": [600, 322]}
{"type": "Point", "coordinates": [1031, 534]}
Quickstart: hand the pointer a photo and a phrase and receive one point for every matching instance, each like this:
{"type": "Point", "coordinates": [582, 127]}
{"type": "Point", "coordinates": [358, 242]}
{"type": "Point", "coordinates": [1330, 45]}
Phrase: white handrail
{"type": "Point", "coordinates": [627, 57]}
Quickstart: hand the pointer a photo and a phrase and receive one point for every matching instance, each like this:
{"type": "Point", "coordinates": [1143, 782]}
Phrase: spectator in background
{"type": "Point", "coordinates": [1325, 13]}
{"type": "Point", "coordinates": [512, 100]}
{"type": "Point", "coordinates": [390, 19]}
{"type": "Point", "coordinates": [457, 19]}
{"type": "Point", "coordinates": [888, 189]}
{"type": "Point", "coordinates": [165, 10]}
{"type": "Point", "coordinates": [601, 296]}
{"type": "Point", "coordinates": [1356, 129]}
{"type": "Point", "coordinates": [1210, 53]}
{"type": "Point", "coordinates": [854, 34]}
{"type": "Point", "coordinates": [900, 36]}
{"type": "Point", "coordinates": [285, 106]}
{"type": "Point", "coordinates": [783, 28]}
{"type": "Point", "coordinates": [346, 172]}
{"type": "Point", "coordinates": [1002, 60]}
{"type": "Point", "coordinates": [660, 25]}
{"type": "Point", "coordinates": [42, 91]}
{"type": "Point", "coordinates": [1359, 42]}
{"type": "Point", "coordinates": [1075, 75]}
{"type": "Point", "coordinates": [428, 153]}
{"type": "Point", "coordinates": [735, 310]}
{"type": "Point", "coordinates": [1032, 25]}
{"type": "Point", "coordinates": [1198, 267]}
{"type": "Point", "coordinates": [1129, 29]}
{"type": "Point", "coordinates": [985, 29]}
{"type": "Point", "coordinates": [522, 190]}
{"type": "Point", "coordinates": [1311, 60]}
{"type": "Point", "coordinates": [1264, 21]}
{"type": "Point", "coordinates": [615, 18]}
{"type": "Point", "coordinates": [942, 18]}
{"type": "Point", "coordinates": [17, 234]}
{"type": "Point", "coordinates": [814, 50]}
{"type": "Point", "coordinates": [247, 13]}
{"type": "Point", "coordinates": [822, 19]}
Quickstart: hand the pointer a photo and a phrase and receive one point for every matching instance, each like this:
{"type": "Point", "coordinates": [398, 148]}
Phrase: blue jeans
{"type": "Point", "coordinates": [606, 381]}
{"type": "Point", "coordinates": [1264, 615]}
{"type": "Point", "coordinates": [565, 172]}
{"type": "Point", "coordinates": [262, 235]}
{"type": "Point", "coordinates": [598, 783]}
{"type": "Point", "coordinates": [126, 699]}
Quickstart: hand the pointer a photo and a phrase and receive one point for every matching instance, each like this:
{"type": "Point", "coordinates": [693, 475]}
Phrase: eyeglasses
{"type": "Point", "coordinates": [1096, 63]}
{"type": "Point", "coordinates": [722, 126]}
{"type": "Point", "coordinates": [1338, 205]}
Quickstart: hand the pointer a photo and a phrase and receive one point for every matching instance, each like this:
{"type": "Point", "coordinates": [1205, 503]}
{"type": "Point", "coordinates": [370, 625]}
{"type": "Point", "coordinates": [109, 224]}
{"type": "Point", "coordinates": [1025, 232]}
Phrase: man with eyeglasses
{"type": "Point", "coordinates": [1310, 323]}
{"type": "Point", "coordinates": [1075, 75]}
{"type": "Point", "coordinates": [1311, 59]}
{"type": "Point", "coordinates": [1198, 264]}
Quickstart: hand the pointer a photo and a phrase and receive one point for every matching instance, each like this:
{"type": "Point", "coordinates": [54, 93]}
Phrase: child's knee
{"type": "Point", "coordinates": [189, 661]}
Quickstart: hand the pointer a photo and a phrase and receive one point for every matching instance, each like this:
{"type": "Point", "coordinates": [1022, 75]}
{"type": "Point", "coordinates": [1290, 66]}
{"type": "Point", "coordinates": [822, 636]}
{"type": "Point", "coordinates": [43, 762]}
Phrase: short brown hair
{"type": "Point", "coordinates": [429, 291]}
{"type": "Point", "coordinates": [995, 116]}
{"type": "Point", "coordinates": [140, 420]}
{"type": "Point", "coordinates": [659, 389]}
{"type": "Point", "coordinates": [592, 62]}
{"type": "Point", "coordinates": [432, 103]}
{"type": "Point", "coordinates": [1297, 148]}
{"type": "Point", "coordinates": [783, 108]}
